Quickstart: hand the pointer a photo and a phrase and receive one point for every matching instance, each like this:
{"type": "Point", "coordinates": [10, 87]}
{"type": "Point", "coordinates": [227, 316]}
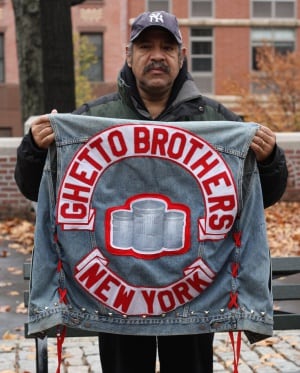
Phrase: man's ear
{"type": "Point", "coordinates": [128, 56]}
{"type": "Point", "coordinates": [182, 55]}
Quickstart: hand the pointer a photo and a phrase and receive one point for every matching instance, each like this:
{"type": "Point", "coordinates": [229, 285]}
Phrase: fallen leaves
{"type": "Point", "coordinates": [6, 348]}
{"type": "Point", "coordinates": [21, 309]}
{"type": "Point", "coordinates": [5, 284]}
{"type": "Point", "coordinates": [283, 228]}
{"type": "Point", "coordinates": [5, 308]}
{"type": "Point", "coordinates": [15, 270]}
{"type": "Point", "coordinates": [8, 336]}
{"type": "Point", "coordinates": [4, 253]}
{"type": "Point", "coordinates": [20, 233]}
{"type": "Point", "coordinates": [267, 342]}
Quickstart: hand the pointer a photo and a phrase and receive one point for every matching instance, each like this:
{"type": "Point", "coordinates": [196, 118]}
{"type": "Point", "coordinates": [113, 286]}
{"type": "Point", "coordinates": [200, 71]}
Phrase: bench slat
{"type": "Point", "coordinates": [26, 298]}
{"type": "Point", "coordinates": [285, 266]}
{"type": "Point", "coordinates": [286, 291]}
{"type": "Point", "coordinates": [286, 321]}
{"type": "Point", "coordinates": [26, 270]}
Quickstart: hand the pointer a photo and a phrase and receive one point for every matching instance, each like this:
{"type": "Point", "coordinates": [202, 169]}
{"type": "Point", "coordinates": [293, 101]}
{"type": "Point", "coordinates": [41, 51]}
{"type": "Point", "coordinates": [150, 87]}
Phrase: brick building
{"type": "Point", "coordinates": [221, 37]}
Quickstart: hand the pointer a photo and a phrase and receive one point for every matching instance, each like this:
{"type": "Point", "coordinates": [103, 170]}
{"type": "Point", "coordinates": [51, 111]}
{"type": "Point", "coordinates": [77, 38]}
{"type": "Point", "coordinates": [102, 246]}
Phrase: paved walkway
{"type": "Point", "coordinates": [281, 353]}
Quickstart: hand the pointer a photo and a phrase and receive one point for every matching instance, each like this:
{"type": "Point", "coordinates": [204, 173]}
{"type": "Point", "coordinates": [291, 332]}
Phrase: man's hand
{"type": "Point", "coordinates": [42, 131]}
{"type": "Point", "coordinates": [263, 143]}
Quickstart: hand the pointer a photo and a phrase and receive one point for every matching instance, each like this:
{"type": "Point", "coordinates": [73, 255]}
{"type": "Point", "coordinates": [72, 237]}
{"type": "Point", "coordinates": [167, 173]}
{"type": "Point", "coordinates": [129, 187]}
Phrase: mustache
{"type": "Point", "coordinates": [157, 65]}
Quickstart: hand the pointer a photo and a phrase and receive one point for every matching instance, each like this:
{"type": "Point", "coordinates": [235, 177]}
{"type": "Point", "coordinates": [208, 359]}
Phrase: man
{"type": "Point", "coordinates": [154, 84]}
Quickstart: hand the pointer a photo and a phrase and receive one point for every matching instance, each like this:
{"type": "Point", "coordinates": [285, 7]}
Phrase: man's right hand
{"type": "Point", "coordinates": [42, 131]}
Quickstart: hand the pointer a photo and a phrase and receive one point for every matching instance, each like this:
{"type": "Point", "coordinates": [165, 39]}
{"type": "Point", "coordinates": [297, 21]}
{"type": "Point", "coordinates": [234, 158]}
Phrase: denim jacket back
{"type": "Point", "coordinates": [151, 228]}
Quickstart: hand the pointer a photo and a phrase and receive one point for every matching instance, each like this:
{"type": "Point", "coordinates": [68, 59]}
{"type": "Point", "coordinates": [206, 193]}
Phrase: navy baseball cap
{"type": "Point", "coordinates": [155, 19]}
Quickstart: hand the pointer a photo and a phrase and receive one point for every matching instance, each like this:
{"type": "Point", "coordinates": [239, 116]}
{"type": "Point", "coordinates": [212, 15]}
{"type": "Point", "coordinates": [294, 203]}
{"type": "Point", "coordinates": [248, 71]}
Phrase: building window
{"type": "Point", "coordinates": [273, 8]}
{"type": "Point", "coordinates": [283, 41]}
{"type": "Point", "coordinates": [202, 8]}
{"type": "Point", "coordinates": [201, 48]}
{"type": "Point", "coordinates": [95, 72]}
{"type": "Point", "coordinates": [1, 58]}
{"type": "Point", "coordinates": [156, 5]}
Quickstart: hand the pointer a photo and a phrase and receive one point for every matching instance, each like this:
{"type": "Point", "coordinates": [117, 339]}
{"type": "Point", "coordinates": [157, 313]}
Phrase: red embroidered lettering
{"type": "Point", "coordinates": [196, 156]}
{"type": "Point", "coordinates": [117, 144]}
{"type": "Point", "coordinates": [177, 145]}
{"type": "Point", "coordinates": [195, 145]}
{"type": "Point", "coordinates": [181, 291]}
{"type": "Point", "coordinates": [124, 298]}
{"type": "Point", "coordinates": [73, 211]}
{"type": "Point", "coordinates": [149, 299]}
{"type": "Point", "coordinates": [160, 138]}
{"type": "Point", "coordinates": [216, 180]}
{"type": "Point", "coordinates": [84, 156]}
{"type": "Point", "coordinates": [224, 203]}
{"type": "Point", "coordinates": [106, 286]}
{"type": "Point", "coordinates": [97, 145]}
{"type": "Point", "coordinates": [76, 192]}
{"type": "Point", "coordinates": [204, 164]}
{"type": "Point", "coordinates": [219, 222]}
{"type": "Point", "coordinates": [197, 283]}
{"type": "Point", "coordinates": [141, 140]}
{"type": "Point", "coordinates": [92, 275]}
{"type": "Point", "coordinates": [100, 282]}
{"type": "Point", "coordinates": [82, 175]}
{"type": "Point", "coordinates": [166, 300]}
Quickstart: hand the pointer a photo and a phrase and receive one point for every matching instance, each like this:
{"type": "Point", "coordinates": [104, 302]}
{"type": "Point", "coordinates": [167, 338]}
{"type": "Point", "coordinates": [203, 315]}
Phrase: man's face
{"type": "Point", "coordinates": [155, 61]}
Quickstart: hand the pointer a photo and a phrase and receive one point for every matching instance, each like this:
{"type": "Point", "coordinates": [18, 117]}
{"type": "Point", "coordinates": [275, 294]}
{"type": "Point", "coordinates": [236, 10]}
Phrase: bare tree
{"type": "Point", "coordinates": [275, 102]}
{"type": "Point", "coordinates": [29, 45]}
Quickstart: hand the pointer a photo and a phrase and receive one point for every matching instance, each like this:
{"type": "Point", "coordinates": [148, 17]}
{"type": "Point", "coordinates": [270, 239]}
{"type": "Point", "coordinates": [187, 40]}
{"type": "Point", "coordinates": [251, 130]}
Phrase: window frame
{"type": "Point", "coordinates": [273, 9]}
{"type": "Point", "coordinates": [207, 75]}
{"type": "Point", "coordinates": [202, 14]}
{"type": "Point", "coordinates": [149, 8]}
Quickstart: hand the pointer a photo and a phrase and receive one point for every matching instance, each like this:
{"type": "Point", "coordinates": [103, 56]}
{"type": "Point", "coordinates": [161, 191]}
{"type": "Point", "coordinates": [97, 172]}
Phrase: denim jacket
{"type": "Point", "coordinates": [151, 228]}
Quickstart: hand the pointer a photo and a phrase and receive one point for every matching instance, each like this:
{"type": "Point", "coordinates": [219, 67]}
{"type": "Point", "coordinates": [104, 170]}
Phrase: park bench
{"type": "Point", "coordinates": [286, 288]}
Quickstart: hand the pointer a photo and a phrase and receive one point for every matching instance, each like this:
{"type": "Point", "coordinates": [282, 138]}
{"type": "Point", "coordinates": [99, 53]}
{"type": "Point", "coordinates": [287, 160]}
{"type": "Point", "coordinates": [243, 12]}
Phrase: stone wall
{"type": "Point", "coordinates": [12, 203]}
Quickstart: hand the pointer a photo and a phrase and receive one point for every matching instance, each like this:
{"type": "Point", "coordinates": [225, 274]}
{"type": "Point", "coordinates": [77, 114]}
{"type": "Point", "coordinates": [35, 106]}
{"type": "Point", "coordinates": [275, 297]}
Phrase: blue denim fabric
{"type": "Point", "coordinates": [122, 178]}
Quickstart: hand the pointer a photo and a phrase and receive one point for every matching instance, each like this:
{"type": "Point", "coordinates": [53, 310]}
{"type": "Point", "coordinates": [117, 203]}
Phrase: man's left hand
{"type": "Point", "coordinates": [263, 143]}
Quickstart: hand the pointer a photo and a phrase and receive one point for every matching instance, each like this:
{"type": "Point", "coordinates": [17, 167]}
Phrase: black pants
{"type": "Point", "coordinates": [137, 354]}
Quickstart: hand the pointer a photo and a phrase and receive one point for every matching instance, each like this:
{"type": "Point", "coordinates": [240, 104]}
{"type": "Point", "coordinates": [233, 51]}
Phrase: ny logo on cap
{"type": "Point", "coordinates": [156, 17]}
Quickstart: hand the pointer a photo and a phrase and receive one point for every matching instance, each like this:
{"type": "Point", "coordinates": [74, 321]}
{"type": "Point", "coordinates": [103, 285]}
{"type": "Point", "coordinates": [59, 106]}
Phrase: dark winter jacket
{"type": "Point", "coordinates": [184, 104]}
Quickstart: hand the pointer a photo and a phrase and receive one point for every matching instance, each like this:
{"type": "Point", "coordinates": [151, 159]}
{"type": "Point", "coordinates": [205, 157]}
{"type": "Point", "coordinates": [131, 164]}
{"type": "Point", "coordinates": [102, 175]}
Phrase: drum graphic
{"type": "Point", "coordinates": [173, 230]}
{"type": "Point", "coordinates": [148, 225]}
{"type": "Point", "coordinates": [122, 222]}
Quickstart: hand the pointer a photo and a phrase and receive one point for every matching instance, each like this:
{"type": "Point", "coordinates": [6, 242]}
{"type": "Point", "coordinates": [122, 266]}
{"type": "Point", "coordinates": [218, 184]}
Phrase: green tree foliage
{"type": "Point", "coordinates": [84, 56]}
